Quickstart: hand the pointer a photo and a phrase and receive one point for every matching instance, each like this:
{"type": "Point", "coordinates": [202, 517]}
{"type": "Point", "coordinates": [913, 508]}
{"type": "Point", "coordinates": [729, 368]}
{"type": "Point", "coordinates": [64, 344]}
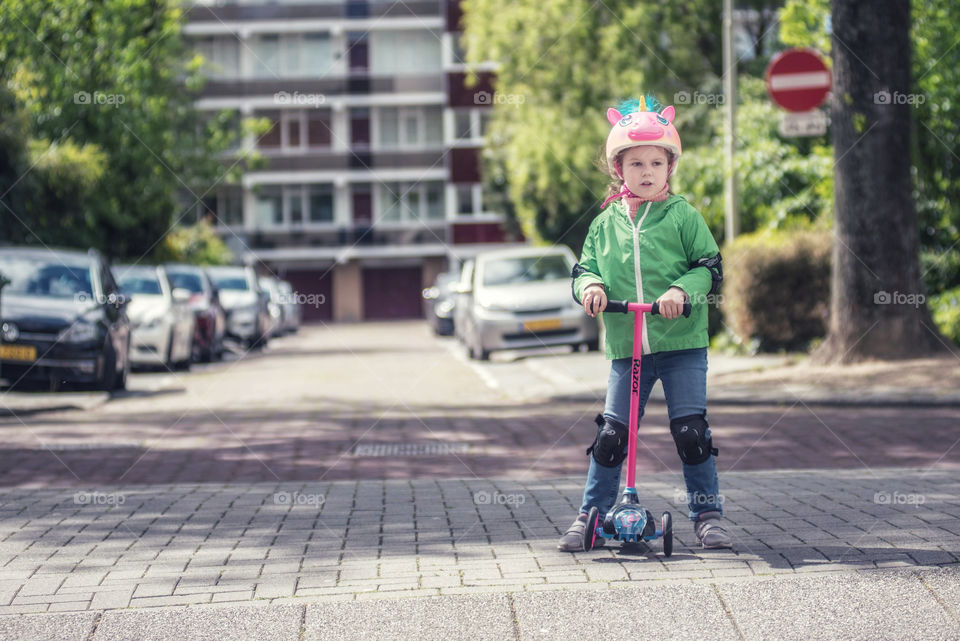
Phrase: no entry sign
{"type": "Point", "coordinates": [798, 80]}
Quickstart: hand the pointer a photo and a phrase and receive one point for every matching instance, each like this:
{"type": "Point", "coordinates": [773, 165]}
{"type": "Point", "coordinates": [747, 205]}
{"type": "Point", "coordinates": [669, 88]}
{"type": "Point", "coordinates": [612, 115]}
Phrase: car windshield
{"type": "Point", "coordinates": [185, 280]}
{"type": "Point", "coordinates": [139, 281]}
{"type": "Point", "coordinates": [525, 269]}
{"type": "Point", "coordinates": [36, 276]}
{"type": "Point", "coordinates": [230, 281]}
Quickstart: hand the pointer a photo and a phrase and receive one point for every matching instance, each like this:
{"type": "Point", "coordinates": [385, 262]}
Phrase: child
{"type": "Point", "coordinates": [650, 244]}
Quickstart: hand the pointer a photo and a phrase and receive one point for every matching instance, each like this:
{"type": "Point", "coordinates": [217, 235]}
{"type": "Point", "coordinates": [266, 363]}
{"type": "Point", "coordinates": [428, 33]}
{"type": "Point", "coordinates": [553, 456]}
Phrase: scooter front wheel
{"type": "Point", "coordinates": [590, 532]}
{"type": "Point", "coordinates": [666, 525]}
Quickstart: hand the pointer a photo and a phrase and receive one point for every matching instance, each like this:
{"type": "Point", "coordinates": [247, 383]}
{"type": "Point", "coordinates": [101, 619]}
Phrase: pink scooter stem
{"type": "Point", "coordinates": [638, 309]}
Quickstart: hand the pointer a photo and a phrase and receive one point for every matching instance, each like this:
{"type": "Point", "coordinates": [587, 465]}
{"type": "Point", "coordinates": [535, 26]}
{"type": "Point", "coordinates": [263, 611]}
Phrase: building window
{"type": "Point", "coordinates": [464, 200]}
{"type": "Point", "coordinates": [221, 55]}
{"type": "Point", "coordinates": [462, 125]}
{"type": "Point", "coordinates": [269, 206]}
{"type": "Point", "coordinates": [321, 203]}
{"type": "Point", "coordinates": [409, 126]}
{"type": "Point", "coordinates": [318, 128]}
{"type": "Point", "coordinates": [294, 55]}
{"type": "Point", "coordinates": [405, 52]}
{"type": "Point", "coordinates": [273, 138]}
{"type": "Point", "coordinates": [408, 202]}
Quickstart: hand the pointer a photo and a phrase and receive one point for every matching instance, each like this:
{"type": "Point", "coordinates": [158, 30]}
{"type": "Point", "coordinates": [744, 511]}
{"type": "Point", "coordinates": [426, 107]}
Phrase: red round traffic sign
{"type": "Point", "coordinates": [798, 79]}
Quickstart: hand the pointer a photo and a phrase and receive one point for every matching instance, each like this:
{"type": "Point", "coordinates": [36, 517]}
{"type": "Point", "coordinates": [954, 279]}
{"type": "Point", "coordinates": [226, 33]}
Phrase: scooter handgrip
{"type": "Point", "coordinates": [655, 309]}
{"type": "Point", "coordinates": [616, 306]}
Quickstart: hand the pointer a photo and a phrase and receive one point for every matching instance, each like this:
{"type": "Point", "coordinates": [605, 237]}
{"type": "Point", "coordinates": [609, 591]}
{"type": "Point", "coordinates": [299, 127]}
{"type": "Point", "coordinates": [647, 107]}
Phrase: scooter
{"type": "Point", "coordinates": [629, 521]}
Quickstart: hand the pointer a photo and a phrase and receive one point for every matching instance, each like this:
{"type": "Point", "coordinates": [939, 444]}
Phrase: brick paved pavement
{"type": "Point", "coordinates": [160, 545]}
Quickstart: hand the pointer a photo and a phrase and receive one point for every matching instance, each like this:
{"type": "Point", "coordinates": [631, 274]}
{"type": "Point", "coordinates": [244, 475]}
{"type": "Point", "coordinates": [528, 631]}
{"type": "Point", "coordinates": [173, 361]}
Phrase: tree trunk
{"type": "Point", "coordinates": [877, 304]}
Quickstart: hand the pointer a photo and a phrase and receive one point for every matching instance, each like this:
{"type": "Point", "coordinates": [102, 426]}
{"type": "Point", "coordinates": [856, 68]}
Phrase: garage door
{"type": "Point", "coordinates": [392, 292]}
{"type": "Point", "coordinates": [314, 289]}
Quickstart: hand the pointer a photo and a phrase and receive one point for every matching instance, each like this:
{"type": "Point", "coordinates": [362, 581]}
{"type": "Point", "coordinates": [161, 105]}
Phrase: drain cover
{"type": "Point", "coordinates": [410, 449]}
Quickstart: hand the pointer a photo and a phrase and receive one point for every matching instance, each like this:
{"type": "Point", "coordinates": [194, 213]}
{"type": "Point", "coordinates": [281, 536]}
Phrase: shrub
{"type": "Point", "coordinates": [776, 289]}
{"type": "Point", "coordinates": [945, 308]}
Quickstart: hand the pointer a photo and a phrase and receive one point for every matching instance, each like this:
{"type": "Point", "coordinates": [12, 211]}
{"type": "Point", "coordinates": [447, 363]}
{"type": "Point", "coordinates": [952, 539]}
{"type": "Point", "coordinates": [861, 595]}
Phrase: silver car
{"type": "Point", "coordinates": [520, 298]}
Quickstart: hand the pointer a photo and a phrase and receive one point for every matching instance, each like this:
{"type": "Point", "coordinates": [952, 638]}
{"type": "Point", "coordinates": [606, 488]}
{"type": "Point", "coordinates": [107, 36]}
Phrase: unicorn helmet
{"type": "Point", "coordinates": [641, 127]}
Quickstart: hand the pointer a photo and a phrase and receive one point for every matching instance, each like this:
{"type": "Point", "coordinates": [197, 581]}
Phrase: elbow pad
{"type": "Point", "coordinates": [714, 265]}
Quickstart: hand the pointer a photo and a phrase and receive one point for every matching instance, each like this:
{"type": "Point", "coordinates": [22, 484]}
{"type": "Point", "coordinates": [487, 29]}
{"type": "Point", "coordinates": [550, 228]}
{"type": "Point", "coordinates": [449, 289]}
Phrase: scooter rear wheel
{"type": "Point", "coordinates": [590, 532]}
{"type": "Point", "coordinates": [666, 524]}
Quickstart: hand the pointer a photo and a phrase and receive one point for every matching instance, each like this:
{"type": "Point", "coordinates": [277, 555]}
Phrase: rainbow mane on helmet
{"type": "Point", "coordinates": [642, 121]}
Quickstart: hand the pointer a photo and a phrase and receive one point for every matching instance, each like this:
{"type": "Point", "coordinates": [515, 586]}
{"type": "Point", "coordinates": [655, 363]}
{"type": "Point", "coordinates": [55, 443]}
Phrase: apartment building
{"type": "Point", "coordinates": [372, 176]}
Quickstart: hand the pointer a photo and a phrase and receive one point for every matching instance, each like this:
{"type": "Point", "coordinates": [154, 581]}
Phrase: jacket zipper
{"type": "Point", "coordinates": [638, 277]}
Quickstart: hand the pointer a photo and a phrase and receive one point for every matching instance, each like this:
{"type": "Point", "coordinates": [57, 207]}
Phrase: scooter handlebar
{"type": "Point", "coordinates": [621, 307]}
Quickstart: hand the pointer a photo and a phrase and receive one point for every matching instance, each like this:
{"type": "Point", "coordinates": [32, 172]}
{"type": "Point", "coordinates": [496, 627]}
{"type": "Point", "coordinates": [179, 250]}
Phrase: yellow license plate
{"type": "Point", "coordinates": [18, 352]}
{"type": "Point", "coordinates": [542, 325]}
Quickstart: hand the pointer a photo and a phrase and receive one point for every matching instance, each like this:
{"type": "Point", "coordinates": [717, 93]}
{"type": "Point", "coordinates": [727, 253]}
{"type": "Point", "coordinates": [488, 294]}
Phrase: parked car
{"type": "Point", "coordinates": [292, 316]}
{"type": "Point", "coordinates": [275, 307]}
{"type": "Point", "coordinates": [521, 298]}
{"type": "Point", "coordinates": [463, 292]}
{"type": "Point", "coordinates": [441, 300]}
{"type": "Point", "coordinates": [162, 320]}
{"type": "Point", "coordinates": [63, 319]}
{"type": "Point", "coordinates": [210, 321]}
{"type": "Point", "coordinates": [248, 320]}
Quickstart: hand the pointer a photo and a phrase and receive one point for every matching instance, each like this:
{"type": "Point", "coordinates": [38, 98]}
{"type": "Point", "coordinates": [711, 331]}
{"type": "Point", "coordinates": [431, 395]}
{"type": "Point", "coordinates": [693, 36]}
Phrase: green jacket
{"type": "Point", "coordinates": [657, 251]}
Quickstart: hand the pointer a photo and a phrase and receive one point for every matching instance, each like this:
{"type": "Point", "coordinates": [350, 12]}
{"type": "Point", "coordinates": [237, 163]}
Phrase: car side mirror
{"type": "Point", "coordinates": [181, 295]}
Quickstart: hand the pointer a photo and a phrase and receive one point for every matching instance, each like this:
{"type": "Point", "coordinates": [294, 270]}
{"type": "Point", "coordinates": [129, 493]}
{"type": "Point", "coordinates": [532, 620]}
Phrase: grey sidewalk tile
{"type": "Point", "coordinates": [659, 611]}
{"type": "Point", "coordinates": [945, 584]}
{"type": "Point", "coordinates": [424, 619]}
{"type": "Point", "coordinates": [47, 627]}
{"type": "Point", "coordinates": [221, 623]}
{"type": "Point", "coordinates": [863, 605]}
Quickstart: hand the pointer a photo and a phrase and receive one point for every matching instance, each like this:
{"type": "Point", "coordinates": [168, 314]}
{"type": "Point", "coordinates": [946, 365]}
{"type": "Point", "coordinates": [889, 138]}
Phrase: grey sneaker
{"type": "Point", "coordinates": [711, 533]}
{"type": "Point", "coordinates": [572, 539]}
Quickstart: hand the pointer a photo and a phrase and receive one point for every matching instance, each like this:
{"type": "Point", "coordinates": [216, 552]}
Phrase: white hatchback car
{"type": "Point", "coordinates": [520, 298]}
{"type": "Point", "coordinates": [163, 323]}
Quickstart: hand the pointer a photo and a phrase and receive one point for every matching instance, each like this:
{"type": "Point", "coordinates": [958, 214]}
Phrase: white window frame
{"type": "Point", "coordinates": [422, 216]}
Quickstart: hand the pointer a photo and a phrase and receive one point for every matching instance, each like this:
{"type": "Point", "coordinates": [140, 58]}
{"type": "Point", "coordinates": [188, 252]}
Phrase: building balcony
{"type": "Point", "coordinates": [336, 86]}
{"type": "Point", "coordinates": [320, 10]}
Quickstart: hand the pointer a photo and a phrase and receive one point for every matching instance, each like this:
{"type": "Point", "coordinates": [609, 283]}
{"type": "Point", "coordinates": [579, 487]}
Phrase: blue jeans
{"type": "Point", "coordinates": [683, 374]}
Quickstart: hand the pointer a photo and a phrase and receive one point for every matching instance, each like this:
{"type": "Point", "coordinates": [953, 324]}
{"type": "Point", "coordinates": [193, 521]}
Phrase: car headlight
{"type": "Point", "coordinates": [445, 308]}
{"type": "Point", "coordinates": [80, 332]}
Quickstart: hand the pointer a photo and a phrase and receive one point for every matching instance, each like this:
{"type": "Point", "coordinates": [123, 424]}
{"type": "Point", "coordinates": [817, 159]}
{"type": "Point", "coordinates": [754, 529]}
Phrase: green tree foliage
{"type": "Point", "coordinates": [198, 244]}
{"type": "Point", "coordinates": [106, 79]}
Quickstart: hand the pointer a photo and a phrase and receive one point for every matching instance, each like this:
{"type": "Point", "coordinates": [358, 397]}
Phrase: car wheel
{"type": "Point", "coordinates": [478, 353]}
{"type": "Point", "coordinates": [109, 377]}
{"type": "Point", "coordinates": [121, 382]}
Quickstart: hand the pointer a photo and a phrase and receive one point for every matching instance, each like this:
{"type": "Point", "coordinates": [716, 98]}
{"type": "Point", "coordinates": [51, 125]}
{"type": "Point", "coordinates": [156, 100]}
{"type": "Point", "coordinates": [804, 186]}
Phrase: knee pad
{"type": "Point", "coordinates": [610, 447]}
{"type": "Point", "coordinates": [690, 435]}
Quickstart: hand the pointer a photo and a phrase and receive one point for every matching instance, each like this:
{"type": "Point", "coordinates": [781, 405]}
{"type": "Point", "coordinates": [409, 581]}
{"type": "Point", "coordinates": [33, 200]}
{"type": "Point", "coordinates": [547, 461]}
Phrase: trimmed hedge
{"type": "Point", "coordinates": [776, 288]}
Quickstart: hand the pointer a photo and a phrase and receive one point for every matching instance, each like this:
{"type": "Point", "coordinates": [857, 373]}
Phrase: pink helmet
{"type": "Point", "coordinates": [641, 127]}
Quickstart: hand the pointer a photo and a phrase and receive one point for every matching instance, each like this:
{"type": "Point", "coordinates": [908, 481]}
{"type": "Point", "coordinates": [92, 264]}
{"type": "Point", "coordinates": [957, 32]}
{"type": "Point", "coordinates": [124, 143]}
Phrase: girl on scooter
{"type": "Point", "coordinates": [648, 244]}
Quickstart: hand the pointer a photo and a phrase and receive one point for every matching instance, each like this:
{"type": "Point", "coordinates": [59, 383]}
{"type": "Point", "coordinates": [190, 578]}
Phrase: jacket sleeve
{"type": "Point", "coordinates": [587, 272]}
{"type": "Point", "coordinates": [698, 243]}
